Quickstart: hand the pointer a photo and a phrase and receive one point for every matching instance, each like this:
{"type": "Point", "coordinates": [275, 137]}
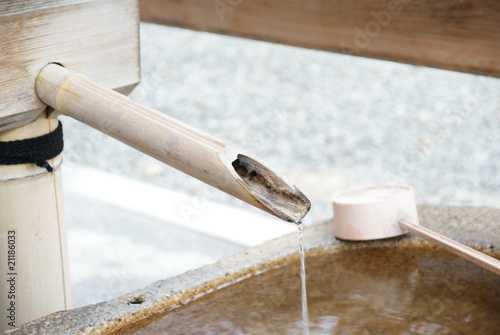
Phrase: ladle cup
{"type": "Point", "coordinates": [387, 211]}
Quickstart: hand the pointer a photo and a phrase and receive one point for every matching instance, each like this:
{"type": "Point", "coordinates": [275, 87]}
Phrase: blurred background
{"type": "Point", "coordinates": [329, 122]}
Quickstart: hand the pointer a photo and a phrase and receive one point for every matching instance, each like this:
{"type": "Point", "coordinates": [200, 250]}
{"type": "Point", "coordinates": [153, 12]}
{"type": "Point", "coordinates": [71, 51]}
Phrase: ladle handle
{"type": "Point", "coordinates": [483, 260]}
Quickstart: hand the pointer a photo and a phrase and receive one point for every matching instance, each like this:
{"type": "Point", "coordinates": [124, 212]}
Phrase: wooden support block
{"type": "Point", "coordinates": [99, 38]}
{"type": "Point", "coordinates": [460, 35]}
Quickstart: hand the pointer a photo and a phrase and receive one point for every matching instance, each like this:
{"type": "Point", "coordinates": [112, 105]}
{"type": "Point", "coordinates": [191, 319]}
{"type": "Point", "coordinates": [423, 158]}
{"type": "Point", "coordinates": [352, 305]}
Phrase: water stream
{"type": "Point", "coordinates": [305, 313]}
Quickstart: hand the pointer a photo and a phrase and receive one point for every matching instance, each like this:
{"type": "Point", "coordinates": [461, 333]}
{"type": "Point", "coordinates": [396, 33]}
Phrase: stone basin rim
{"type": "Point", "coordinates": [470, 225]}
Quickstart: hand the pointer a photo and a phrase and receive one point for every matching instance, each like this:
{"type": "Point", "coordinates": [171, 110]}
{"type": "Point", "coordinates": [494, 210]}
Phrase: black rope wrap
{"type": "Point", "coordinates": [33, 150]}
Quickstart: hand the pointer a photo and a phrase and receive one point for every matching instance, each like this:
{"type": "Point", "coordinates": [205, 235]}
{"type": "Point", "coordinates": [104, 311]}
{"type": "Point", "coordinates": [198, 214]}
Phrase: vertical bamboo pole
{"type": "Point", "coordinates": [33, 251]}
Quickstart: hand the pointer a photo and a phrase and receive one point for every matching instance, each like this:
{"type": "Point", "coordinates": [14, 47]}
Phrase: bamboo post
{"type": "Point", "coordinates": [33, 252]}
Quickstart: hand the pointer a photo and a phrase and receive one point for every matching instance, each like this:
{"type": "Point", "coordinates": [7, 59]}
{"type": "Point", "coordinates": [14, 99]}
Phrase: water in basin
{"type": "Point", "coordinates": [383, 290]}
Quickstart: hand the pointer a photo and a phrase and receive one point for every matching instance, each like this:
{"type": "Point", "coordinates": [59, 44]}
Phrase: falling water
{"type": "Point", "coordinates": [305, 313]}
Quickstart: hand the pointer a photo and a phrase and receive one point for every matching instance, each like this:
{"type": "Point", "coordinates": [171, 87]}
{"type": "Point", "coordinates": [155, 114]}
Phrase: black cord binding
{"type": "Point", "coordinates": [33, 150]}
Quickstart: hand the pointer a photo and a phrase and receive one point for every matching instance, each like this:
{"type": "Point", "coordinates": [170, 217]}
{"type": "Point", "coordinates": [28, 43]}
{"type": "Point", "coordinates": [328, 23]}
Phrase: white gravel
{"type": "Point", "coordinates": [329, 122]}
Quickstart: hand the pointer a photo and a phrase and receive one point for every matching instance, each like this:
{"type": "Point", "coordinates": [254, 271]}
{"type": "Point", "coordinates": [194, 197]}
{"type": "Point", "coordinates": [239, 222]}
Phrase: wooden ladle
{"type": "Point", "coordinates": [387, 211]}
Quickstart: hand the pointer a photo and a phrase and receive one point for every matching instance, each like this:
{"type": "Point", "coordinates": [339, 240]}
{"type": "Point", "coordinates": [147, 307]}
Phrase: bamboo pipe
{"type": "Point", "coordinates": [162, 137]}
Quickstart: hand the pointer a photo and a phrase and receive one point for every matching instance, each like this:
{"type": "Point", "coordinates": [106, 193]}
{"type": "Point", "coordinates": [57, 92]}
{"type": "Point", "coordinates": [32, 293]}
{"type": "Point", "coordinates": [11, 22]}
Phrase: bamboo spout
{"type": "Point", "coordinates": [185, 148]}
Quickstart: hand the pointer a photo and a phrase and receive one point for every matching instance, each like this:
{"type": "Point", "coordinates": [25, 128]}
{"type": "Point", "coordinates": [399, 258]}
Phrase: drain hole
{"type": "Point", "coordinates": [136, 301]}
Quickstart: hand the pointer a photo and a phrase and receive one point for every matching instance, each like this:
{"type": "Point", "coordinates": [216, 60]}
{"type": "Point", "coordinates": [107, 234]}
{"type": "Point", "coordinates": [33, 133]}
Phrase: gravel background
{"type": "Point", "coordinates": [329, 122]}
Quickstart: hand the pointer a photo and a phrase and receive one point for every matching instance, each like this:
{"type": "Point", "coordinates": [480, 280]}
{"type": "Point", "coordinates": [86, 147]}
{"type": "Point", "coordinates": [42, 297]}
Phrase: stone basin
{"type": "Point", "coordinates": [477, 227]}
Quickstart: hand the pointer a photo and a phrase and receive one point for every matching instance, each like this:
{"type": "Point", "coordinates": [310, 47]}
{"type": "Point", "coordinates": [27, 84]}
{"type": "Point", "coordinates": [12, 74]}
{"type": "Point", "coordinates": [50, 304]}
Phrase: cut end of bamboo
{"type": "Point", "coordinates": [279, 196]}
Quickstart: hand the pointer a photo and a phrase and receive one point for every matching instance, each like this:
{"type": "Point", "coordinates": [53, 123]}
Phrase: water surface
{"type": "Point", "coordinates": [365, 291]}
